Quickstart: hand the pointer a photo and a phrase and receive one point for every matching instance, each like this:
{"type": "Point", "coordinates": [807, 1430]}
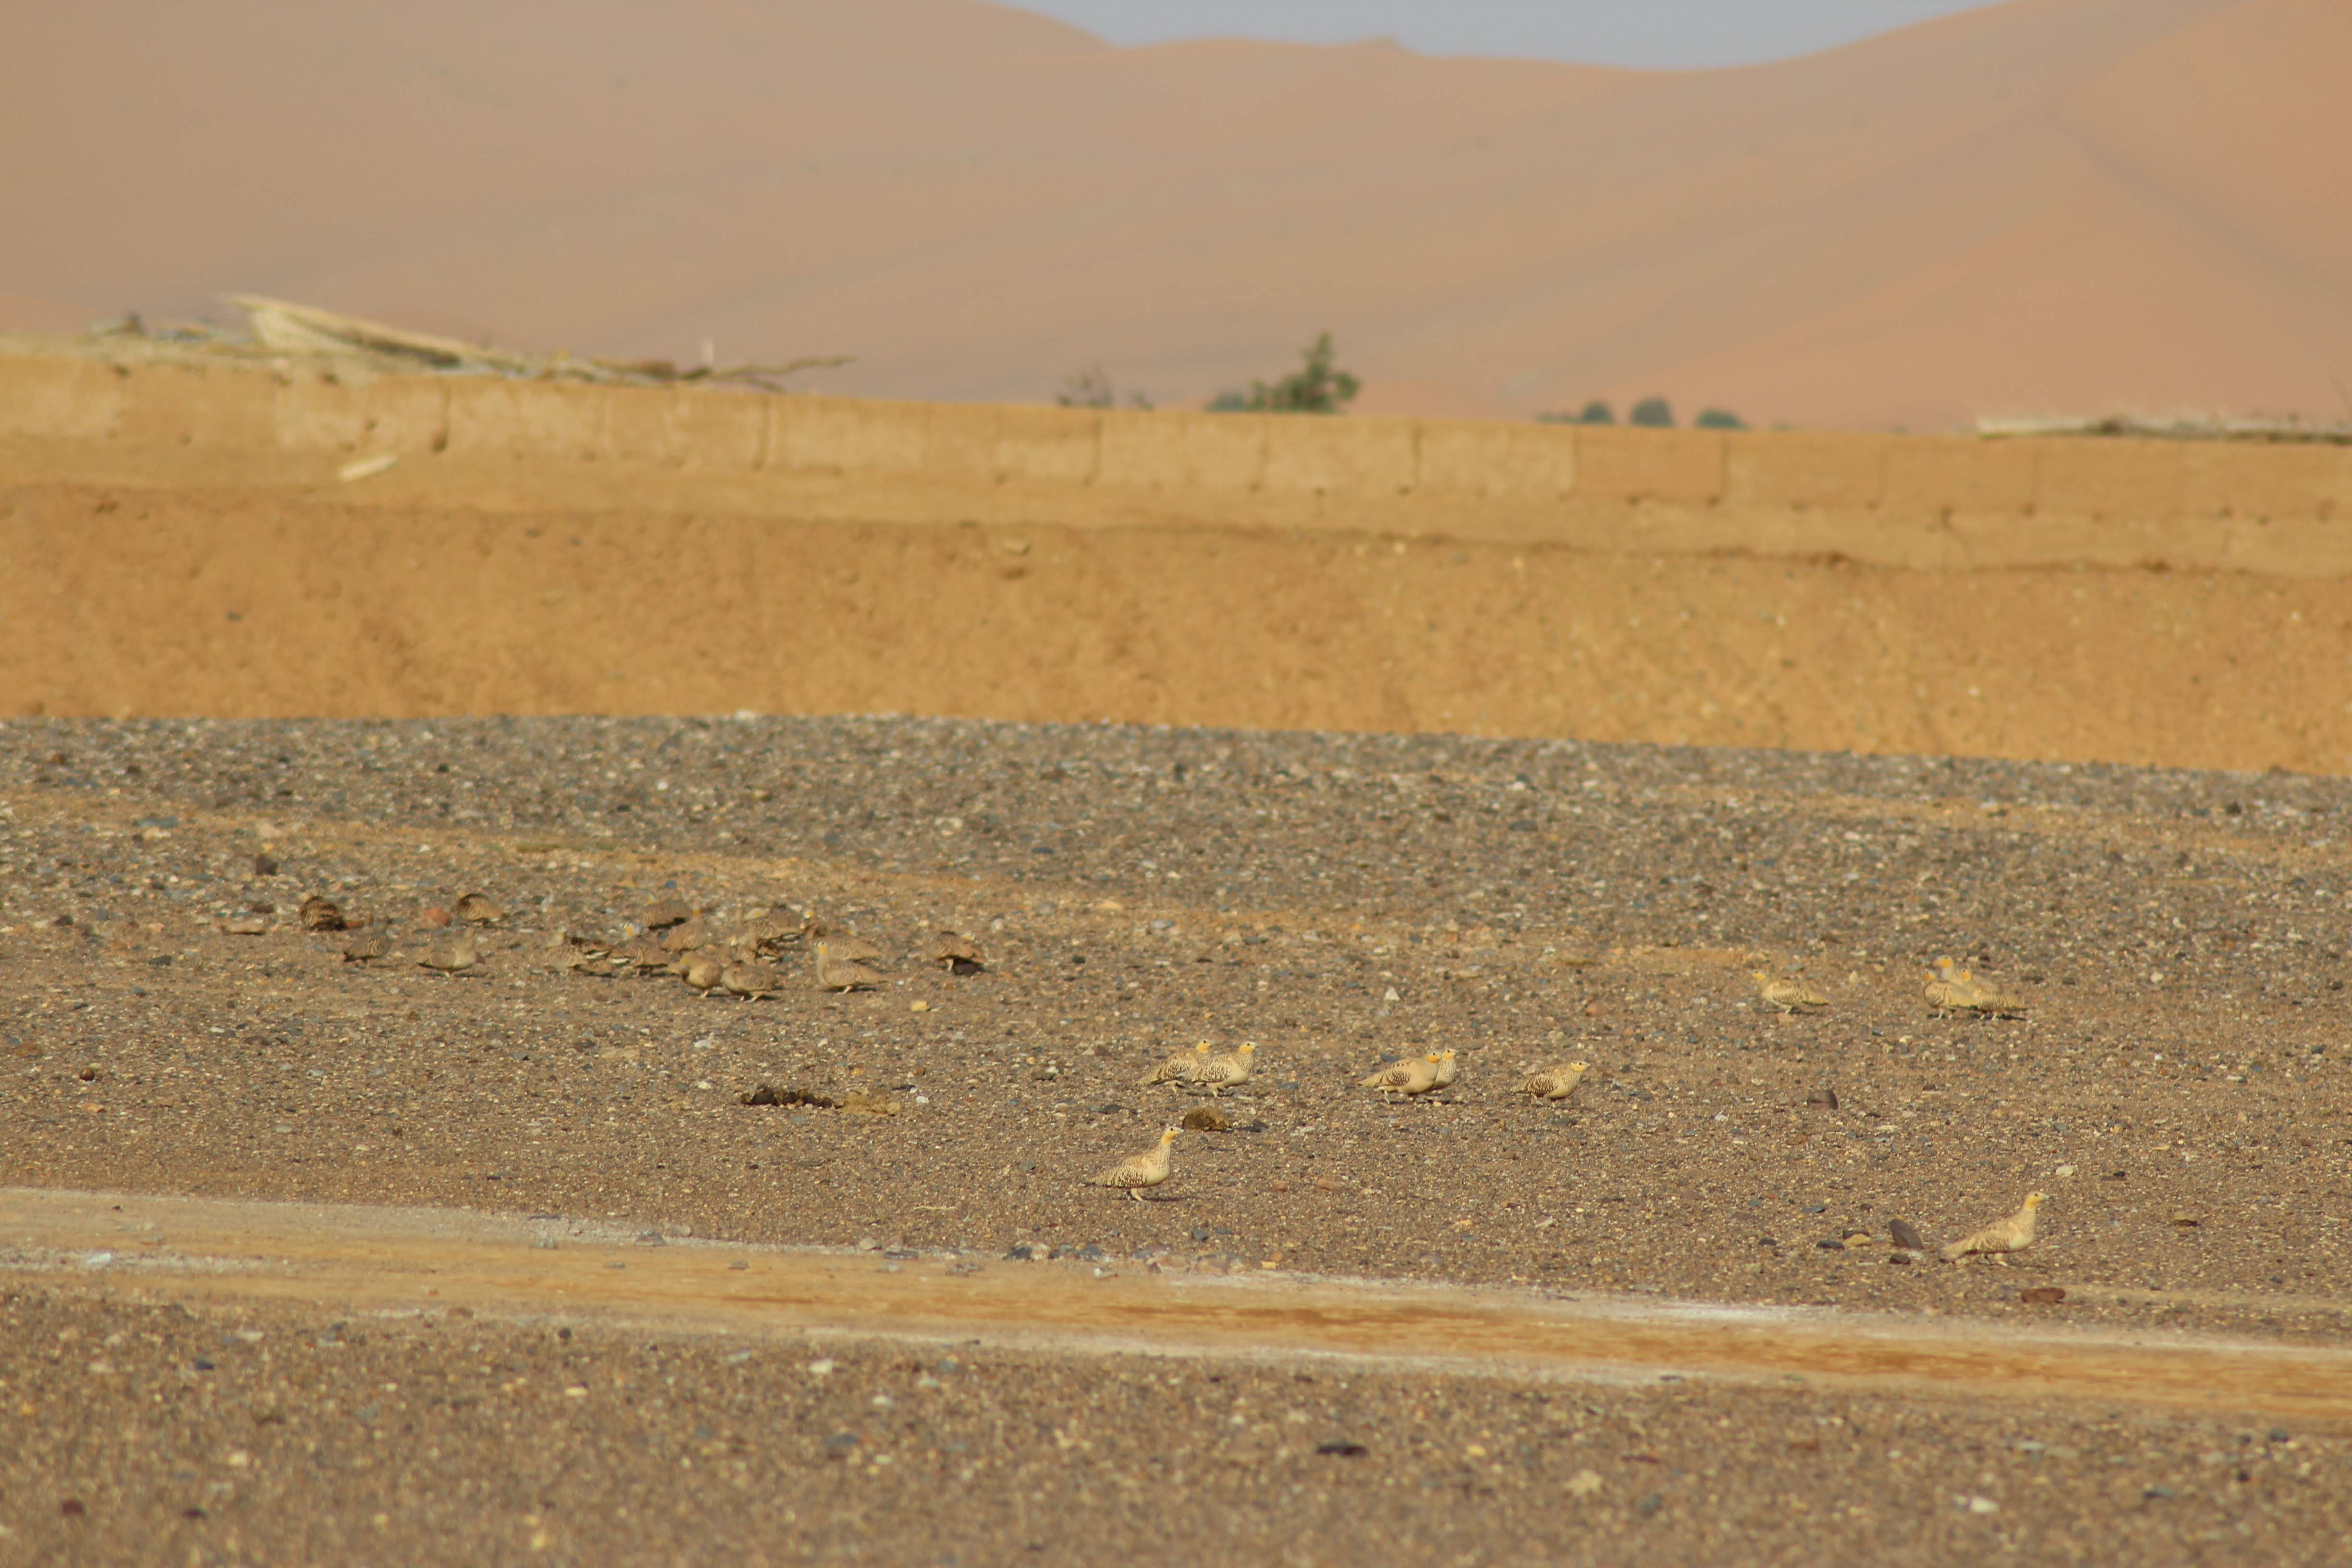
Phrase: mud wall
{"type": "Point", "coordinates": [1916, 501]}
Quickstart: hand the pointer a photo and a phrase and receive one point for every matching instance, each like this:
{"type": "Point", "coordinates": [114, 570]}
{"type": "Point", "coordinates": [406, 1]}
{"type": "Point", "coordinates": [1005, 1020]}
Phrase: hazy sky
{"type": "Point", "coordinates": [1655, 32]}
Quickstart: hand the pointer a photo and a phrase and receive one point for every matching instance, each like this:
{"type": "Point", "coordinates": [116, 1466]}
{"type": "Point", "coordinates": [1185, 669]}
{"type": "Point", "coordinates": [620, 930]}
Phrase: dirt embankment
{"type": "Point", "coordinates": [175, 544]}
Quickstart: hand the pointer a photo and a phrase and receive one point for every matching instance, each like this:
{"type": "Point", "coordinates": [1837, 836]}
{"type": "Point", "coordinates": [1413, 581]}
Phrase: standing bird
{"type": "Point", "coordinates": [700, 971]}
{"type": "Point", "coordinates": [2014, 1234]}
{"type": "Point", "coordinates": [837, 973]}
{"type": "Point", "coordinates": [751, 981]}
{"type": "Point", "coordinates": [1137, 1171]}
{"type": "Point", "coordinates": [1446, 1072]}
{"type": "Point", "coordinates": [1988, 997]}
{"type": "Point", "coordinates": [1417, 1076]}
{"type": "Point", "coordinates": [1946, 992]}
{"type": "Point", "coordinates": [1231, 1071]}
{"type": "Point", "coordinates": [1786, 995]}
{"type": "Point", "coordinates": [1182, 1068]}
{"type": "Point", "coordinates": [955, 954]}
{"type": "Point", "coordinates": [1555, 1082]}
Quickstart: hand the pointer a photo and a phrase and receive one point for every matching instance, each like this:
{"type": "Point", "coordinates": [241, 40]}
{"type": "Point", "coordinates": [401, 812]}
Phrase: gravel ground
{"type": "Point", "coordinates": [2176, 1083]}
{"type": "Point", "coordinates": [155, 1434]}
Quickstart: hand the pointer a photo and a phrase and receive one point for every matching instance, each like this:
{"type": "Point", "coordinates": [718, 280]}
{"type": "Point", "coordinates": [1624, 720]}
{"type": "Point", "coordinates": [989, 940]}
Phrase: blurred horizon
{"type": "Point", "coordinates": [1659, 35]}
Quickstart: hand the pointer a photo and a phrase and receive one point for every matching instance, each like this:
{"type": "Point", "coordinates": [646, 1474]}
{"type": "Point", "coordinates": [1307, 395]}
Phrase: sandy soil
{"type": "Point", "coordinates": [2173, 1081]}
{"type": "Point", "coordinates": [243, 600]}
{"type": "Point", "coordinates": [2047, 206]}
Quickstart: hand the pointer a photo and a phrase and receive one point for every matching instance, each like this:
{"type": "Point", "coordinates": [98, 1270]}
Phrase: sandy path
{"type": "Point", "coordinates": [369, 1258]}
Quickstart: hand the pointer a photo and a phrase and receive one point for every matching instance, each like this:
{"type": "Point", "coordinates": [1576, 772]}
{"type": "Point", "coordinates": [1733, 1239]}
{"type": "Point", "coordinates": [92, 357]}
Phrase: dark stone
{"type": "Point", "coordinates": [1342, 1450]}
{"type": "Point", "coordinates": [1905, 1235]}
{"type": "Point", "coordinates": [1649, 1506]}
{"type": "Point", "coordinates": [769, 1094]}
{"type": "Point", "coordinates": [2042, 1295]}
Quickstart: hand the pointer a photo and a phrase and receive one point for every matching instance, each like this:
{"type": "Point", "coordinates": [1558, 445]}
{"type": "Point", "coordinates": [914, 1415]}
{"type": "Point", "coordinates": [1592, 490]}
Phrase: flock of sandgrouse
{"type": "Point", "coordinates": [1949, 988]}
{"type": "Point", "coordinates": [744, 962]}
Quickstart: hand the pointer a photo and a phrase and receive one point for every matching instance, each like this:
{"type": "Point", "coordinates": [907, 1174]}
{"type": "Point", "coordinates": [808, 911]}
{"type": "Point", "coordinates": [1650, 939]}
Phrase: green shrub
{"type": "Point", "coordinates": [1597, 412]}
{"type": "Point", "coordinates": [1653, 412]}
{"type": "Point", "coordinates": [1316, 386]}
{"type": "Point", "coordinates": [1720, 420]}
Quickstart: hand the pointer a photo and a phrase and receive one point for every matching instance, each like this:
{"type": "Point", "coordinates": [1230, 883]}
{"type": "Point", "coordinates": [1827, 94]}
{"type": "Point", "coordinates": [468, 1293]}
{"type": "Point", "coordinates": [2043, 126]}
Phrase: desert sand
{"type": "Point", "coordinates": [2049, 204]}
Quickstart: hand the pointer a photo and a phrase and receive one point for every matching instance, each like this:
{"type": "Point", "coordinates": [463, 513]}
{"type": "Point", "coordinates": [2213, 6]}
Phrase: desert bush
{"type": "Point", "coordinates": [1316, 386]}
{"type": "Point", "coordinates": [1653, 412]}
{"type": "Point", "coordinates": [1720, 420]}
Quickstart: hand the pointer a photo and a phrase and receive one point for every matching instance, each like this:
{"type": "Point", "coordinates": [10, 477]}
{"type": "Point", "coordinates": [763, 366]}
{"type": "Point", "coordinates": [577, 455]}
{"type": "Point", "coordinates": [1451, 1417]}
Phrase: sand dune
{"type": "Point", "coordinates": [2043, 205]}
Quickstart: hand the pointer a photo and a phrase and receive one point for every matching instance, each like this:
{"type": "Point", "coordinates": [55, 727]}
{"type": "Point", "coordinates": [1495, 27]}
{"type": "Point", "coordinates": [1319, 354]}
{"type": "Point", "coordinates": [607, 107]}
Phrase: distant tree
{"type": "Point", "coordinates": [1316, 386]}
{"type": "Point", "coordinates": [1720, 420]}
{"type": "Point", "coordinates": [1653, 412]}
{"type": "Point", "coordinates": [1598, 412]}
{"type": "Point", "coordinates": [1089, 387]}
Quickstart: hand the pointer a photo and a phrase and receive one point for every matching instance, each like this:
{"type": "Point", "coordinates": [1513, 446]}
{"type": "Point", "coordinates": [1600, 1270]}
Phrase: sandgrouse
{"type": "Point", "coordinates": [1137, 1171]}
{"type": "Point", "coordinates": [1786, 995]}
{"type": "Point", "coordinates": [1554, 1082]}
{"type": "Point", "coordinates": [2014, 1234]}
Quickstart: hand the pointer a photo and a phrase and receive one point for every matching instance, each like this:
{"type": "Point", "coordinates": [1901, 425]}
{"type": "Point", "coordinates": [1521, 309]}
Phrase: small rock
{"type": "Point", "coordinates": [1584, 1483]}
{"type": "Point", "coordinates": [264, 865]}
{"type": "Point", "coordinates": [2187, 1221]}
{"type": "Point", "coordinates": [1027, 1252]}
{"type": "Point", "coordinates": [858, 1102]}
{"type": "Point", "coordinates": [1649, 1506]}
{"type": "Point", "coordinates": [246, 925]}
{"type": "Point", "coordinates": [769, 1094]}
{"type": "Point", "coordinates": [1207, 1119]}
{"type": "Point", "coordinates": [1825, 1098]}
{"type": "Point", "coordinates": [820, 1368]}
{"type": "Point", "coordinates": [2042, 1295]}
{"type": "Point", "coordinates": [1351, 1451]}
{"type": "Point", "coordinates": [435, 915]}
{"type": "Point", "coordinates": [1904, 1234]}
{"type": "Point", "coordinates": [919, 1007]}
